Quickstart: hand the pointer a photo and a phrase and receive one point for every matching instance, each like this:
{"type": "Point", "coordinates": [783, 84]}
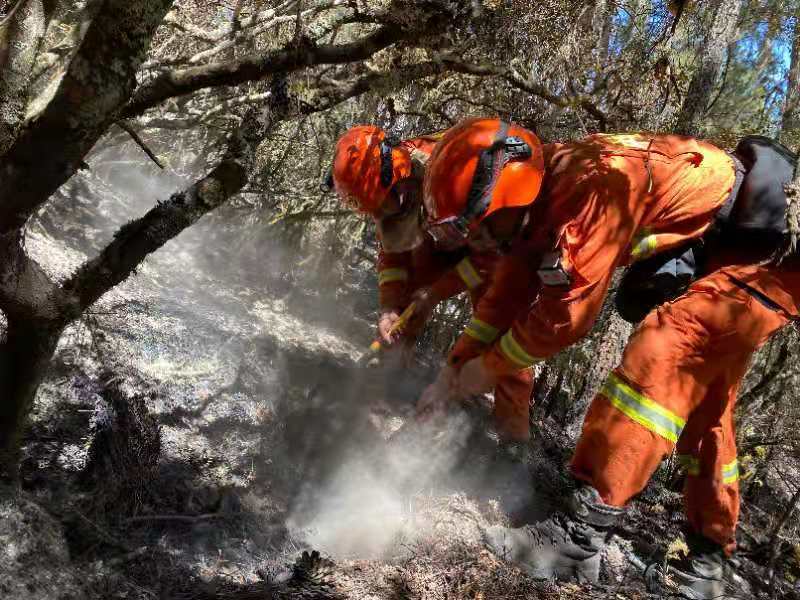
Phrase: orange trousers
{"type": "Point", "coordinates": [677, 386]}
{"type": "Point", "coordinates": [512, 396]}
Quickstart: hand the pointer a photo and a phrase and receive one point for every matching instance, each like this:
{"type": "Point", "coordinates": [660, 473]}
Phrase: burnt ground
{"type": "Point", "coordinates": [197, 435]}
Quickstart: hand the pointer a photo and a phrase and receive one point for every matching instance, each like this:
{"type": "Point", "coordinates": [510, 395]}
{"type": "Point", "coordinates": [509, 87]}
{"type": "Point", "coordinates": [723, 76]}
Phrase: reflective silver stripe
{"type": "Point", "coordinates": [481, 331]}
{"type": "Point", "coordinates": [730, 472]}
{"type": "Point", "coordinates": [468, 274]}
{"type": "Point", "coordinates": [391, 275]}
{"type": "Point", "coordinates": [644, 244]}
{"type": "Point", "coordinates": [642, 409]}
{"type": "Point", "coordinates": [515, 353]}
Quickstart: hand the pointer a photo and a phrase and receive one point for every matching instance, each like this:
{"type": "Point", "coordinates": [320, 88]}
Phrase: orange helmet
{"type": "Point", "coordinates": [365, 167]}
{"type": "Point", "coordinates": [479, 167]}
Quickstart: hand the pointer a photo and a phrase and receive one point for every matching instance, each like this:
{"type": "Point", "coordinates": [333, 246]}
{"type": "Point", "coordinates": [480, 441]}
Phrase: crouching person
{"type": "Point", "coordinates": [609, 201]}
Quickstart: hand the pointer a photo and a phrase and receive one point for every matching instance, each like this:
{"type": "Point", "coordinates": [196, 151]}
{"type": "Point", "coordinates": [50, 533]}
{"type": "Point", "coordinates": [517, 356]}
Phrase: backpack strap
{"type": "Point", "coordinates": [723, 216]}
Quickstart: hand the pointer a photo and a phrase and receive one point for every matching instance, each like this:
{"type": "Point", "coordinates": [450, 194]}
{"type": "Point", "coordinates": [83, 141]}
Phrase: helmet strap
{"type": "Point", "coordinates": [387, 162]}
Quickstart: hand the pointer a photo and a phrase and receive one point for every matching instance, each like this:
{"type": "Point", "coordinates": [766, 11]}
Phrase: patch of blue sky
{"type": "Point", "coordinates": [621, 23]}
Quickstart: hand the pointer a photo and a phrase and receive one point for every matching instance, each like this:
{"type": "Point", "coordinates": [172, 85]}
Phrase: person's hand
{"type": "Point", "coordinates": [385, 323]}
{"type": "Point", "coordinates": [424, 302]}
{"type": "Point", "coordinates": [474, 378]}
{"type": "Point", "coordinates": [437, 395]}
{"type": "Point", "coordinates": [465, 349]}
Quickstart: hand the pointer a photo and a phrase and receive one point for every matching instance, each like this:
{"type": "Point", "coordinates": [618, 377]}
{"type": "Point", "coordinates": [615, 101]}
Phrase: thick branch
{"type": "Point", "coordinates": [136, 240]}
{"type": "Point", "coordinates": [100, 78]}
{"type": "Point", "coordinates": [257, 66]}
{"type": "Point", "coordinates": [21, 34]}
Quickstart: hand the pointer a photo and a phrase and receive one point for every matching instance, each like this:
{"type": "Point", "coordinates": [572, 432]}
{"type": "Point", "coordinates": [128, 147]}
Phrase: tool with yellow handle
{"type": "Point", "coordinates": [398, 326]}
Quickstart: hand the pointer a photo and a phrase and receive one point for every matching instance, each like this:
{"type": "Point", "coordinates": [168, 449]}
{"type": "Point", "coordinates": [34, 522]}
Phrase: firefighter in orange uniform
{"type": "Point", "coordinates": [572, 213]}
{"type": "Point", "coordinates": [382, 178]}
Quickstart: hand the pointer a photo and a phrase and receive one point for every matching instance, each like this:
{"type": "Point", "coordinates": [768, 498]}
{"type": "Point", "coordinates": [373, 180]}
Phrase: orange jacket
{"type": "Point", "coordinates": [606, 202]}
{"type": "Point", "coordinates": [400, 274]}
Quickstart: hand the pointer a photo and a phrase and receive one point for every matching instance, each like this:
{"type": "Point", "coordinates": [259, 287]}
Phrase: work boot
{"type": "Point", "coordinates": [698, 576]}
{"type": "Point", "coordinates": [565, 546]}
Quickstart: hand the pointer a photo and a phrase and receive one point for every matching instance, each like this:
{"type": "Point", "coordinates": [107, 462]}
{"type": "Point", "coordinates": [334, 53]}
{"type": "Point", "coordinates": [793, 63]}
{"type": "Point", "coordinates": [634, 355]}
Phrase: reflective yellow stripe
{"type": "Point", "coordinates": [390, 275]}
{"type": "Point", "coordinates": [642, 409]}
{"type": "Point", "coordinates": [644, 244]}
{"type": "Point", "coordinates": [730, 472]}
{"type": "Point", "coordinates": [481, 331]}
{"type": "Point", "coordinates": [690, 463]}
{"type": "Point", "coordinates": [468, 273]}
{"type": "Point", "coordinates": [515, 353]}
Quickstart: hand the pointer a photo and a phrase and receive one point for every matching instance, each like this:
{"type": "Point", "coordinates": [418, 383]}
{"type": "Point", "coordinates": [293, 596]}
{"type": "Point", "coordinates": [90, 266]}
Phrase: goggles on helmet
{"type": "Point", "coordinates": [449, 233]}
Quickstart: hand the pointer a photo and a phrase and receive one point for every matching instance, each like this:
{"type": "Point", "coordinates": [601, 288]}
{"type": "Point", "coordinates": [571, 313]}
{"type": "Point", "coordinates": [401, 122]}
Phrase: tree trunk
{"type": "Point", "coordinates": [724, 15]}
{"type": "Point", "coordinates": [100, 79]}
{"type": "Point", "coordinates": [603, 25]}
{"type": "Point", "coordinates": [790, 120]}
{"type": "Point", "coordinates": [24, 356]}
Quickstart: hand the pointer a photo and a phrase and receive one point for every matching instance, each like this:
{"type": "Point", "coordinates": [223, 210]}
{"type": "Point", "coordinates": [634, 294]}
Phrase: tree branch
{"type": "Point", "coordinates": [241, 34]}
{"type": "Point", "coordinates": [328, 98]}
{"type": "Point", "coordinates": [257, 66]}
{"type": "Point", "coordinates": [139, 238]}
{"type": "Point", "coordinates": [136, 240]}
{"type": "Point", "coordinates": [21, 34]}
{"type": "Point", "coordinates": [775, 539]}
{"type": "Point", "coordinates": [225, 105]}
{"type": "Point", "coordinates": [99, 80]}
{"type": "Point", "coordinates": [140, 142]}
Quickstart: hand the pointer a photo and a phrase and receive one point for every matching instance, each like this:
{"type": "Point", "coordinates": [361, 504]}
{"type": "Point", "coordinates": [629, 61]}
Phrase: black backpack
{"type": "Point", "coordinates": [756, 214]}
{"type": "Point", "coordinates": [658, 279]}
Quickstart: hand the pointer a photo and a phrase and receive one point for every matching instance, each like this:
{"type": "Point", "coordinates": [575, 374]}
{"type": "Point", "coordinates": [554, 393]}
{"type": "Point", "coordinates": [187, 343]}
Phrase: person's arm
{"type": "Point", "coordinates": [512, 286]}
{"type": "Point", "coordinates": [470, 274]}
{"type": "Point", "coordinates": [592, 235]}
{"type": "Point", "coordinates": [557, 319]}
{"type": "Point", "coordinates": [394, 271]}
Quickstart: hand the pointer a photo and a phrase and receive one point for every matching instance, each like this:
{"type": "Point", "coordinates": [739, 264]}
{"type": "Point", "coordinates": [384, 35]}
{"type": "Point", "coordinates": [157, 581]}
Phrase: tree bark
{"type": "Point", "coordinates": [22, 33]}
{"type": "Point", "coordinates": [790, 119]}
{"type": "Point", "coordinates": [99, 81]}
{"type": "Point", "coordinates": [24, 356]}
{"type": "Point", "coordinates": [724, 16]}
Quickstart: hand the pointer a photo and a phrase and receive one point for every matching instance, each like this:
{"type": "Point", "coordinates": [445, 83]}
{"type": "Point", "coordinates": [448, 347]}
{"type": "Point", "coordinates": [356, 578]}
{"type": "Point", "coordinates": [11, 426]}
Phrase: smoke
{"type": "Point", "coordinates": [353, 493]}
{"type": "Point", "coordinates": [358, 513]}
{"type": "Point", "coordinates": [364, 505]}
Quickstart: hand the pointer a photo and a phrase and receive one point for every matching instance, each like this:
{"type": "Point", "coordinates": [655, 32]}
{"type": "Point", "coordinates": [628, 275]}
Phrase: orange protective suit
{"type": "Point", "coordinates": [401, 273]}
{"type": "Point", "coordinates": [677, 384]}
{"type": "Point", "coordinates": [608, 201]}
